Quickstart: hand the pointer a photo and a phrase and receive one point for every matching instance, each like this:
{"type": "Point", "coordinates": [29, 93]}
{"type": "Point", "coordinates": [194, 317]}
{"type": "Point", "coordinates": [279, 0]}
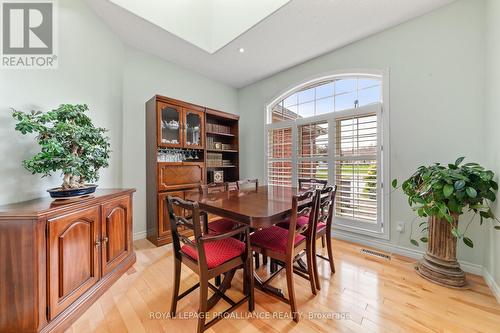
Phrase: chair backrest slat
{"type": "Point", "coordinates": [212, 188]}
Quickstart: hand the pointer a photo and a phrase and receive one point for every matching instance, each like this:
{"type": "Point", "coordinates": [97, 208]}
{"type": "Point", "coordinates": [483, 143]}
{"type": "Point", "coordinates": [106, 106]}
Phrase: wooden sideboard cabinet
{"type": "Point", "coordinates": [57, 259]}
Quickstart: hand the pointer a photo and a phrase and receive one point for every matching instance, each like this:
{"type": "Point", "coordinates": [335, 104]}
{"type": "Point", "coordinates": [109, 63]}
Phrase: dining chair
{"type": "Point", "coordinates": [221, 225]}
{"type": "Point", "coordinates": [288, 246]}
{"type": "Point", "coordinates": [232, 186]}
{"type": "Point", "coordinates": [322, 228]}
{"type": "Point", "coordinates": [313, 184]}
{"type": "Point", "coordinates": [325, 211]}
{"type": "Point", "coordinates": [248, 184]}
{"type": "Point", "coordinates": [209, 255]}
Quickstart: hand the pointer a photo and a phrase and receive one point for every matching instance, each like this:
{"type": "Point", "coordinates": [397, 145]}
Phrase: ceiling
{"type": "Point", "coordinates": [275, 36]}
{"type": "Point", "coordinates": [207, 24]}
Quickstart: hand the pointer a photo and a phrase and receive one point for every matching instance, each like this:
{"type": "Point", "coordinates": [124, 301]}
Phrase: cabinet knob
{"type": "Point", "coordinates": [97, 243]}
{"type": "Point", "coordinates": [105, 239]}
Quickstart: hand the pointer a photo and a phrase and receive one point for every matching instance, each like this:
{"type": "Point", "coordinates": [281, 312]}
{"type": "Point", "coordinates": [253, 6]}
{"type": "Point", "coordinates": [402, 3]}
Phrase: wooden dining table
{"type": "Point", "coordinates": [258, 207]}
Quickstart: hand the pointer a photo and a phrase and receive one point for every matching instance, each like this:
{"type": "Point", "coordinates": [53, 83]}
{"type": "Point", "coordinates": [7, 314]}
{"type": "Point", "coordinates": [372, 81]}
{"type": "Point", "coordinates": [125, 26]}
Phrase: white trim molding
{"type": "Point", "coordinates": [401, 250]}
{"type": "Point", "coordinates": [139, 235]}
{"type": "Point", "coordinates": [490, 281]}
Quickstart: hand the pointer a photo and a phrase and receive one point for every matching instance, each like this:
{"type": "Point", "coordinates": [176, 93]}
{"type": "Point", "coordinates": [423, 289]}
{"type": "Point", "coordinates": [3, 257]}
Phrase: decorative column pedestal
{"type": "Point", "coordinates": [440, 264]}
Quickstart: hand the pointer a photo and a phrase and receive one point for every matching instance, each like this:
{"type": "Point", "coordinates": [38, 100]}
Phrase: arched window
{"type": "Point", "coordinates": [324, 97]}
{"type": "Point", "coordinates": [331, 129]}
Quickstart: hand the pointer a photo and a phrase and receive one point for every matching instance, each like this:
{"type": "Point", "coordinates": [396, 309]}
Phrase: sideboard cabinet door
{"type": "Point", "coordinates": [73, 257]}
{"type": "Point", "coordinates": [116, 232]}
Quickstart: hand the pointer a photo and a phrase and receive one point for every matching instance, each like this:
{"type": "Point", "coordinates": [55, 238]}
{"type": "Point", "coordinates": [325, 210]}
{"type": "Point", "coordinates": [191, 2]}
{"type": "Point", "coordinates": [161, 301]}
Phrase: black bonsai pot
{"type": "Point", "coordinates": [59, 193]}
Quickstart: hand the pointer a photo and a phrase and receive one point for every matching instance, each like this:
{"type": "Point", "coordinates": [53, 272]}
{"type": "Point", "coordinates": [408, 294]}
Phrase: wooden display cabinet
{"type": "Point", "coordinates": [182, 127]}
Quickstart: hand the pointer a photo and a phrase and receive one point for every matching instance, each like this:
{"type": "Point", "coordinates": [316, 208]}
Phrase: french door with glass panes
{"type": "Point", "coordinates": [343, 147]}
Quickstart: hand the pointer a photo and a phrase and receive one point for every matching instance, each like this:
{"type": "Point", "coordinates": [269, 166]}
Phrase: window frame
{"type": "Point", "coordinates": [382, 229]}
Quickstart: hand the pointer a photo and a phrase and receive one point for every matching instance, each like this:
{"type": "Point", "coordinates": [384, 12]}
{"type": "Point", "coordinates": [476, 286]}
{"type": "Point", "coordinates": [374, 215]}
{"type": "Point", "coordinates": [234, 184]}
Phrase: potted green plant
{"type": "Point", "coordinates": [441, 194]}
{"type": "Point", "coordinates": [69, 143]}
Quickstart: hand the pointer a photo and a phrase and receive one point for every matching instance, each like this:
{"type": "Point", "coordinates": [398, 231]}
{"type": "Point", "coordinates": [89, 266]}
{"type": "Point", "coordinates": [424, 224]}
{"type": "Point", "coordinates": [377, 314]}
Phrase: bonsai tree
{"type": "Point", "coordinates": [69, 143]}
{"type": "Point", "coordinates": [445, 192]}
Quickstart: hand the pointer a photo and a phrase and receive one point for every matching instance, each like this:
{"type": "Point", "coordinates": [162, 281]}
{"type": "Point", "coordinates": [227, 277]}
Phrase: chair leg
{"type": "Point", "coordinates": [217, 280]}
{"type": "Point", "coordinates": [273, 267]}
{"type": "Point", "coordinates": [264, 260]}
{"type": "Point", "coordinates": [330, 253]}
{"type": "Point", "coordinates": [311, 256]}
{"type": "Point", "coordinates": [175, 289]}
{"type": "Point", "coordinates": [323, 241]}
{"type": "Point", "coordinates": [249, 283]}
{"type": "Point", "coordinates": [314, 262]}
{"type": "Point", "coordinates": [202, 312]}
{"type": "Point", "coordinates": [257, 260]}
{"type": "Point", "coordinates": [291, 290]}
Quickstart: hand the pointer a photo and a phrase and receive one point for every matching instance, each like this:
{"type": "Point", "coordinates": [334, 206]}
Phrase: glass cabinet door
{"type": "Point", "coordinates": [193, 134]}
{"type": "Point", "coordinates": [170, 125]}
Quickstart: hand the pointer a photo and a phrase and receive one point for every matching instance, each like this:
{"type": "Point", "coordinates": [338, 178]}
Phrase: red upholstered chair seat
{"type": "Point", "coordinates": [273, 238]}
{"type": "Point", "coordinates": [320, 226]}
{"type": "Point", "coordinates": [301, 221]}
{"type": "Point", "coordinates": [217, 252]}
{"type": "Point", "coordinates": [222, 226]}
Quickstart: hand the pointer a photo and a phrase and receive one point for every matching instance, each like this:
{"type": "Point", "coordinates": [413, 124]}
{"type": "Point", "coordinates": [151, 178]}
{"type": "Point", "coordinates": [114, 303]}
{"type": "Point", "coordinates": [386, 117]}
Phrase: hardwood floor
{"type": "Point", "coordinates": [367, 294]}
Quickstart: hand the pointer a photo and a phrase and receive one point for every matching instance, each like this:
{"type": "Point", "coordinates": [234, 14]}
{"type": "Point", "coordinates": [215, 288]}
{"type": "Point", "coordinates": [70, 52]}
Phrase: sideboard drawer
{"type": "Point", "coordinates": [180, 175]}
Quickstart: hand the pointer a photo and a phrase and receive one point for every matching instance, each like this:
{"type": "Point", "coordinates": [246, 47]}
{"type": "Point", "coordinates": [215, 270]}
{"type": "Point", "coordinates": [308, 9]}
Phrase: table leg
{"type": "Point", "coordinates": [265, 287]}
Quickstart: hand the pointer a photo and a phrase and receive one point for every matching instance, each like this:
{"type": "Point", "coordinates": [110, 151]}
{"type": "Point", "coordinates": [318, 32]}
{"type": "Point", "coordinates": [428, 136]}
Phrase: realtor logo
{"type": "Point", "coordinates": [28, 34]}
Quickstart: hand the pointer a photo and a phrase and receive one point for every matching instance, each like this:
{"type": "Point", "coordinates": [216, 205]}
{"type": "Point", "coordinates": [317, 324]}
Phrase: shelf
{"type": "Point", "coordinates": [222, 150]}
{"type": "Point", "coordinates": [223, 166]}
{"type": "Point", "coordinates": [221, 134]}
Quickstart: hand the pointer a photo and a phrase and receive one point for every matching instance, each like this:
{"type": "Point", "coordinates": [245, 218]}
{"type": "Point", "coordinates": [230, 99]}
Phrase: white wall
{"type": "Point", "coordinates": [115, 81]}
{"type": "Point", "coordinates": [492, 138]}
{"type": "Point", "coordinates": [436, 65]}
{"type": "Point", "coordinates": [90, 71]}
{"type": "Point", "coordinates": [145, 76]}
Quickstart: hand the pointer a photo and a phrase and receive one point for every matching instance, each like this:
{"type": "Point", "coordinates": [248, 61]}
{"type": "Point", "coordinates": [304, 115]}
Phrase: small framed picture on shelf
{"type": "Point", "coordinates": [219, 176]}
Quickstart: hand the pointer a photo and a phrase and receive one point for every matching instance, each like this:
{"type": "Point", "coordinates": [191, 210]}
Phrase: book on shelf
{"type": "Point", "coordinates": [218, 128]}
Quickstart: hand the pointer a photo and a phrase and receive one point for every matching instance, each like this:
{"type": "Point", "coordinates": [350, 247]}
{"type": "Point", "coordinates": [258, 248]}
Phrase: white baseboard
{"type": "Point", "coordinates": [490, 281]}
{"type": "Point", "coordinates": [139, 235]}
{"type": "Point", "coordinates": [404, 251]}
